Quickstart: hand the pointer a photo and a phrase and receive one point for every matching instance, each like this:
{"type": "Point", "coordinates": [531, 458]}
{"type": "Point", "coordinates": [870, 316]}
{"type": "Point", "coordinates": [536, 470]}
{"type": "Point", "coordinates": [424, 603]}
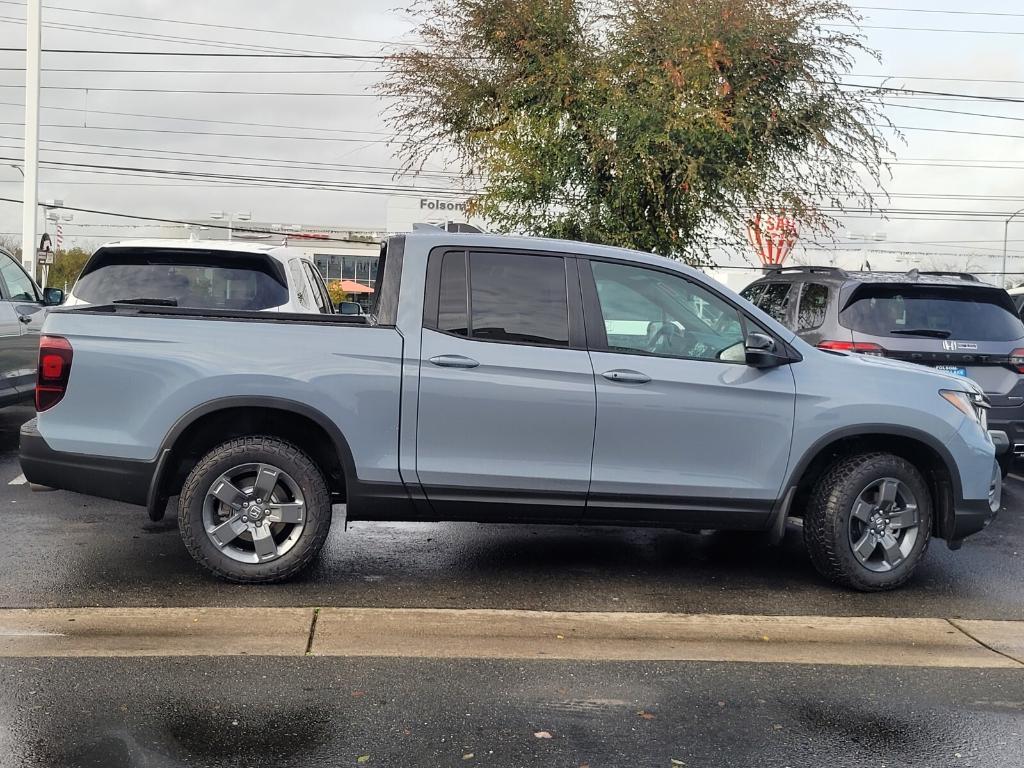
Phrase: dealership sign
{"type": "Point", "coordinates": [441, 205]}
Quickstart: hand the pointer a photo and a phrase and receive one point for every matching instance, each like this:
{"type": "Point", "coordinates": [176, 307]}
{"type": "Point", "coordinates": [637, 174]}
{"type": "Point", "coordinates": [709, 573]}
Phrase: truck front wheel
{"type": "Point", "coordinates": [868, 521]}
{"type": "Point", "coordinates": [255, 510]}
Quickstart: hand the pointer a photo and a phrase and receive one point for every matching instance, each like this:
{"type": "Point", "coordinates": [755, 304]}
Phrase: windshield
{"type": "Point", "coordinates": [190, 278]}
{"type": "Point", "coordinates": [931, 312]}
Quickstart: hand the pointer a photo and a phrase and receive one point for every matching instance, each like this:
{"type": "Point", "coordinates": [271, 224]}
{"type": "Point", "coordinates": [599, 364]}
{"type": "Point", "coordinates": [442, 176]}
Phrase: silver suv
{"type": "Point", "coordinates": [22, 309]}
{"type": "Point", "coordinates": [948, 321]}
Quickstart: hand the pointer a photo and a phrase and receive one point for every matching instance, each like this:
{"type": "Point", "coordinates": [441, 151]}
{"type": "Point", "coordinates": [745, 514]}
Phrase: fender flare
{"type": "Point", "coordinates": [795, 476]}
{"type": "Point", "coordinates": [157, 500]}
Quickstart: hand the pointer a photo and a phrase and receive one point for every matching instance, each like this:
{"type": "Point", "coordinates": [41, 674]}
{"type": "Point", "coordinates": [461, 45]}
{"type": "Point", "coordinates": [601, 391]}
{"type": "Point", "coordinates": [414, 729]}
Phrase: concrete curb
{"type": "Point", "coordinates": [500, 634]}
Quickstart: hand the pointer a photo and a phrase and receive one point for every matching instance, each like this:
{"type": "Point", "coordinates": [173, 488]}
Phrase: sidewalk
{"type": "Point", "coordinates": [510, 634]}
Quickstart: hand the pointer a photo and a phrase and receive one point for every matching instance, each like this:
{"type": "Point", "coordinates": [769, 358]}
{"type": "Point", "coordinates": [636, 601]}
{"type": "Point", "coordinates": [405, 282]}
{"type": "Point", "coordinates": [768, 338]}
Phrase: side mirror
{"type": "Point", "coordinates": [53, 297]}
{"type": "Point", "coordinates": [350, 308]}
{"type": "Point", "coordinates": [761, 351]}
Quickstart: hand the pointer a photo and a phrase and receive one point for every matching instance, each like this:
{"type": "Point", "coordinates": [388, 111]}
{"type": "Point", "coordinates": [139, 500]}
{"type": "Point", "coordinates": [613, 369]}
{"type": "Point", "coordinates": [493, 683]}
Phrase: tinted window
{"type": "Point", "coordinates": [649, 311]}
{"type": "Point", "coordinates": [813, 303]}
{"type": "Point", "coordinates": [753, 292]}
{"type": "Point", "coordinates": [19, 287]}
{"type": "Point", "coordinates": [197, 279]}
{"type": "Point", "coordinates": [774, 301]}
{"type": "Point", "coordinates": [957, 313]}
{"type": "Point", "coordinates": [451, 309]}
{"type": "Point", "coordinates": [519, 297]}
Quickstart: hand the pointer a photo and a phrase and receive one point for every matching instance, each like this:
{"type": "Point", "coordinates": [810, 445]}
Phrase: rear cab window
{"type": "Point", "coordinates": [935, 311]}
{"type": "Point", "coordinates": [192, 278]}
{"type": "Point", "coordinates": [504, 297]}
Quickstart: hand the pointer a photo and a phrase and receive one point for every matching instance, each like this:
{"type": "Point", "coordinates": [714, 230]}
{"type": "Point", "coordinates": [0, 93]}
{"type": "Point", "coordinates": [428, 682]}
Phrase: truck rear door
{"type": "Point", "coordinates": [506, 399]}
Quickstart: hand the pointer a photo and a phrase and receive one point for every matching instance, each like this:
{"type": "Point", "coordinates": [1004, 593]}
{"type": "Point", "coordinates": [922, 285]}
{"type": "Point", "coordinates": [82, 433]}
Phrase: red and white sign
{"type": "Point", "coordinates": [772, 236]}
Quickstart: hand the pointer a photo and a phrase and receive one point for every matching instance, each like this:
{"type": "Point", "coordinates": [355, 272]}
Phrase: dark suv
{"type": "Point", "coordinates": [949, 321]}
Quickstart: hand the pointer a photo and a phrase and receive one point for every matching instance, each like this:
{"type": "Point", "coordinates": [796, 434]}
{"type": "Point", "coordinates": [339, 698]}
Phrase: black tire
{"type": "Point", "coordinates": [255, 449]}
{"type": "Point", "coordinates": [827, 517]}
{"type": "Point", "coordinates": [1005, 463]}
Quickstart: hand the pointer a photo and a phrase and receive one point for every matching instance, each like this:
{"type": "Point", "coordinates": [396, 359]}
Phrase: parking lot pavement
{"type": "Point", "coordinates": [62, 549]}
{"type": "Point", "coordinates": [392, 712]}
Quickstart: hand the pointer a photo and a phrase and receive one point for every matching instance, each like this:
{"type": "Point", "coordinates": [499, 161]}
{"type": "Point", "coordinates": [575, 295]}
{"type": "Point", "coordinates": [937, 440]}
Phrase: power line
{"type": "Point", "coordinates": [918, 91]}
{"type": "Point", "coordinates": [209, 133]}
{"type": "Point", "coordinates": [233, 28]}
{"type": "Point", "coordinates": [318, 94]}
{"type": "Point", "coordinates": [120, 215]}
{"type": "Point", "coordinates": [210, 54]}
{"type": "Point", "coordinates": [927, 29]}
{"type": "Point", "coordinates": [933, 10]}
{"type": "Point", "coordinates": [948, 130]}
{"type": "Point", "coordinates": [89, 111]}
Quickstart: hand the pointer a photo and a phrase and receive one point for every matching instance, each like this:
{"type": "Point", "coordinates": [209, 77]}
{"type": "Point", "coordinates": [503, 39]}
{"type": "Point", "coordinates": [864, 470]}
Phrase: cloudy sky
{"type": "Point", "coordinates": [951, 187]}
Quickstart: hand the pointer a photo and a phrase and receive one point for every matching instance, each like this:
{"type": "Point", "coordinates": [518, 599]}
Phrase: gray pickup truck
{"type": "Point", "coordinates": [509, 380]}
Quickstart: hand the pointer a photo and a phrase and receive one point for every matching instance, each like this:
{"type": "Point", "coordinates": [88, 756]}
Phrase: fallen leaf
{"type": "Point", "coordinates": [765, 638]}
{"type": "Point", "coordinates": [363, 759]}
{"type": "Point", "coordinates": [677, 762]}
{"type": "Point", "coordinates": [468, 756]}
{"type": "Point", "coordinates": [646, 715]}
{"type": "Point", "coordinates": [560, 637]}
{"type": "Point", "coordinates": [543, 735]}
{"type": "Point", "coordinates": [357, 694]}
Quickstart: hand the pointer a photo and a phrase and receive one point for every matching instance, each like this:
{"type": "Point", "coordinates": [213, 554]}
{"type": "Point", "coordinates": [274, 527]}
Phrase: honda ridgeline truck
{"type": "Point", "coordinates": [509, 380]}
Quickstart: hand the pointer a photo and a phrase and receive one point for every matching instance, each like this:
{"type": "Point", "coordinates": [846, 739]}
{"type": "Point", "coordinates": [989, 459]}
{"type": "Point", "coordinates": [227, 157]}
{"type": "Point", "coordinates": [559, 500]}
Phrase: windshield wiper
{"type": "Point", "coordinates": [151, 302]}
{"type": "Point", "coordinates": [929, 332]}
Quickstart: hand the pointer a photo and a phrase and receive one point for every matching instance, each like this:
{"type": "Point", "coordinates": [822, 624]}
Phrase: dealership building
{"type": "Point", "coordinates": [340, 253]}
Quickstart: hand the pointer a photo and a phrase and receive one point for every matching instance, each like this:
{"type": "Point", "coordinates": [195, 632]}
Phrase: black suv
{"type": "Point", "coordinates": [950, 321]}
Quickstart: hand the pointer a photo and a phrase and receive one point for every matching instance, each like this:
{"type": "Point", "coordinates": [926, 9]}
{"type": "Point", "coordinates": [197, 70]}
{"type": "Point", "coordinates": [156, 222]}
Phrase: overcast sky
{"type": "Point", "coordinates": [356, 132]}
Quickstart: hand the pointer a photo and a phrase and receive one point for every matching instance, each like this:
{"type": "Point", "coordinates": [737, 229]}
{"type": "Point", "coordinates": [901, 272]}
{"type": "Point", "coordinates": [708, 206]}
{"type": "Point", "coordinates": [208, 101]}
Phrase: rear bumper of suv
{"type": "Point", "coordinates": [117, 479]}
{"type": "Point", "coordinates": [1009, 419]}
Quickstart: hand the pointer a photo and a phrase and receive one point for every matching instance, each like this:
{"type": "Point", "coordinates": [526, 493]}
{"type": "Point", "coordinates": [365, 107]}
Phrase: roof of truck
{"type": "Point", "coordinates": [222, 246]}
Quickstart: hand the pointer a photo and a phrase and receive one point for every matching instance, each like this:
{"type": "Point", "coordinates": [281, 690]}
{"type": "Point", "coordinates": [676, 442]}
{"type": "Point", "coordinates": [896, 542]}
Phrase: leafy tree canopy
{"type": "Point", "coordinates": [661, 125]}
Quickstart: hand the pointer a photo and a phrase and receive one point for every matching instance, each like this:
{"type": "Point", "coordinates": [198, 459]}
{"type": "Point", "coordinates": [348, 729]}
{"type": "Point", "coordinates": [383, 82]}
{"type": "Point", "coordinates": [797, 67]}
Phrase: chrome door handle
{"type": "Point", "coordinates": [454, 361]}
{"type": "Point", "coordinates": [627, 377]}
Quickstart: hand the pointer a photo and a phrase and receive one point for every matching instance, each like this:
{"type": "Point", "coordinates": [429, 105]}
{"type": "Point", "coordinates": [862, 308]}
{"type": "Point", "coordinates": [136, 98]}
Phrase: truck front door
{"type": "Point", "coordinates": [21, 317]}
{"type": "Point", "coordinates": [506, 398]}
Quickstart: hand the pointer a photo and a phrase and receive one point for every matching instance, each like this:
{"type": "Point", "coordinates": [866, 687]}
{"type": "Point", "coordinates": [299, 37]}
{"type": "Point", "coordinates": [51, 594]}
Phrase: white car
{"type": "Point", "coordinates": [200, 274]}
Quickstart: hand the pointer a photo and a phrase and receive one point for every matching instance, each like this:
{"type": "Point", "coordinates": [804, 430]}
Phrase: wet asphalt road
{"type": "Point", "coordinates": [157, 713]}
{"type": "Point", "coordinates": [66, 550]}
{"type": "Point", "coordinates": [61, 549]}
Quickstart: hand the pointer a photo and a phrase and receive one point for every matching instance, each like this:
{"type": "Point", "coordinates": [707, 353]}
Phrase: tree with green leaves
{"type": "Point", "coordinates": [67, 266]}
{"type": "Point", "coordinates": [661, 125]}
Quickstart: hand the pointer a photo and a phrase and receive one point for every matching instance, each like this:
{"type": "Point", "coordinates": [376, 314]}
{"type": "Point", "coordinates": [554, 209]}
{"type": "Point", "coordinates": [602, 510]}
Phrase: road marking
{"type": "Point", "coordinates": [509, 634]}
{"type": "Point", "coordinates": [19, 480]}
{"type": "Point", "coordinates": [1015, 477]}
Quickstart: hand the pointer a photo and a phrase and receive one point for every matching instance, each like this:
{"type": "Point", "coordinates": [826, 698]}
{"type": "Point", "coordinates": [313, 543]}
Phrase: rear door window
{"type": "Point", "coordinates": [319, 293]}
{"type": "Point", "coordinates": [774, 301]}
{"type": "Point", "coordinates": [813, 304]}
{"type": "Point", "coordinates": [518, 298]}
{"type": "Point", "coordinates": [188, 277]}
{"type": "Point", "coordinates": [976, 314]}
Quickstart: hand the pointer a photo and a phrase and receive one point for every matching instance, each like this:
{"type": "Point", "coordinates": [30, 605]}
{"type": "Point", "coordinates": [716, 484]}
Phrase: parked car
{"type": "Point", "coordinates": [212, 275]}
{"type": "Point", "coordinates": [23, 306]}
{"type": "Point", "coordinates": [510, 380]}
{"type": "Point", "coordinates": [1017, 294]}
{"type": "Point", "coordinates": [949, 321]}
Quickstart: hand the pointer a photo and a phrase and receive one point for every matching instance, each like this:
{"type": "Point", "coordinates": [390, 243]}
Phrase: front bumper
{"type": "Point", "coordinates": [117, 479]}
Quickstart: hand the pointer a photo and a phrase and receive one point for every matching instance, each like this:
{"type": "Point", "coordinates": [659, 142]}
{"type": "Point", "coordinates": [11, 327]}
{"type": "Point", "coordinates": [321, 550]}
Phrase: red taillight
{"type": "Point", "coordinates": [1017, 360]}
{"type": "Point", "coordinates": [863, 347]}
{"type": "Point", "coordinates": [55, 355]}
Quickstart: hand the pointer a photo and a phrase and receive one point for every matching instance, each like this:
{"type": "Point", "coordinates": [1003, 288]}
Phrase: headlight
{"type": "Point", "coordinates": [970, 404]}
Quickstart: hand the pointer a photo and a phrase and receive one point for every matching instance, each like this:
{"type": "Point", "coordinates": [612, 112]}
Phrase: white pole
{"type": "Point", "coordinates": [30, 196]}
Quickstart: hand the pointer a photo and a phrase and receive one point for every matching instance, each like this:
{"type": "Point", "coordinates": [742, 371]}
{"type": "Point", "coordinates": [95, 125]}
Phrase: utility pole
{"type": "Point", "coordinates": [30, 196]}
{"type": "Point", "coordinates": [1006, 239]}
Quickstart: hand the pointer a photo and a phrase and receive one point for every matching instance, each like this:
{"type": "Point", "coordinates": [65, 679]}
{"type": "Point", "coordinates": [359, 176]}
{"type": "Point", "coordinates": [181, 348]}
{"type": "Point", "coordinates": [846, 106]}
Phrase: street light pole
{"type": "Point", "coordinates": [30, 195]}
{"type": "Point", "coordinates": [1006, 235]}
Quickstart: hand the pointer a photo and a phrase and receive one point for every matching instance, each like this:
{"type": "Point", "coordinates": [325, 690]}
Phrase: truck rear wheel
{"type": "Point", "coordinates": [255, 510]}
{"type": "Point", "coordinates": [868, 521]}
